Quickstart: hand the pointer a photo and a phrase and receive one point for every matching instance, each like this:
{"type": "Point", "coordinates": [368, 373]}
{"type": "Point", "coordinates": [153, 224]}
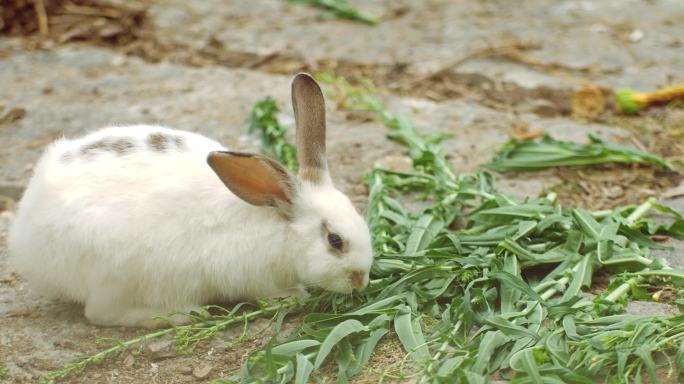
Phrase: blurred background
{"type": "Point", "coordinates": [484, 71]}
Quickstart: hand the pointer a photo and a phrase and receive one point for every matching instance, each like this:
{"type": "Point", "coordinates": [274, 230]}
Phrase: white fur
{"type": "Point", "coordinates": [146, 233]}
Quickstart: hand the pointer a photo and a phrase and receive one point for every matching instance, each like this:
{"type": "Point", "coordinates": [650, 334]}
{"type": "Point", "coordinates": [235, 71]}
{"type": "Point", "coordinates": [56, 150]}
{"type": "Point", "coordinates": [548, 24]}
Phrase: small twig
{"type": "Point", "coordinates": [41, 14]}
{"type": "Point", "coordinates": [72, 9]}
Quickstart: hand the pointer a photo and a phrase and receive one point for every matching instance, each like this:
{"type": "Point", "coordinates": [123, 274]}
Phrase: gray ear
{"type": "Point", "coordinates": [255, 179]}
{"type": "Point", "coordinates": [309, 111]}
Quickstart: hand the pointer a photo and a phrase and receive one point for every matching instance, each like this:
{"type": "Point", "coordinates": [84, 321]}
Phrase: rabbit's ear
{"type": "Point", "coordinates": [309, 111]}
{"type": "Point", "coordinates": [255, 179]}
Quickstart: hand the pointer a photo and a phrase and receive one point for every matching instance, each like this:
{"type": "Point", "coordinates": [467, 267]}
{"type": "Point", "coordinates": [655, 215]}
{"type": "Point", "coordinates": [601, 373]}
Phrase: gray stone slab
{"type": "Point", "coordinates": [625, 43]}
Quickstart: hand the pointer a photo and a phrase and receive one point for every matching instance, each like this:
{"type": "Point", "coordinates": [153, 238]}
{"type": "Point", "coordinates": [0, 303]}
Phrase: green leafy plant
{"type": "Point", "coordinates": [3, 372]}
{"type": "Point", "coordinates": [186, 337]}
{"type": "Point", "coordinates": [468, 284]}
{"type": "Point", "coordinates": [264, 124]}
{"type": "Point", "coordinates": [339, 9]}
{"type": "Point", "coordinates": [505, 293]}
{"type": "Point", "coordinates": [518, 155]}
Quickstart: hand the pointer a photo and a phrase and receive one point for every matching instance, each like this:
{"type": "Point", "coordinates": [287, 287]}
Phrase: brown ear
{"type": "Point", "coordinates": [255, 179]}
{"type": "Point", "coordinates": [309, 111]}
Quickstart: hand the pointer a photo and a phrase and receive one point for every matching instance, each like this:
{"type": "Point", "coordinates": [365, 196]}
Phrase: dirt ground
{"type": "Point", "coordinates": [481, 71]}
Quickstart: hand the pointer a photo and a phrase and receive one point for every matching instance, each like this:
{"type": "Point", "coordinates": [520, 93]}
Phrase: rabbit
{"type": "Point", "coordinates": [141, 221]}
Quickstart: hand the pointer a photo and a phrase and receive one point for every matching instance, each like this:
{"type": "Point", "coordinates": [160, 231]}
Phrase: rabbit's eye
{"type": "Point", "coordinates": [335, 241]}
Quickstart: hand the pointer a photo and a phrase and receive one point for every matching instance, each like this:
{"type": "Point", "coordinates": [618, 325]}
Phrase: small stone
{"type": "Point", "coordinates": [154, 368]}
{"type": "Point", "coordinates": [615, 191]}
{"type": "Point", "coordinates": [186, 370]}
{"type": "Point", "coordinates": [202, 371]}
{"type": "Point", "coordinates": [160, 350]}
{"type": "Point", "coordinates": [636, 36]}
{"type": "Point", "coordinates": [395, 163]}
{"type": "Point", "coordinates": [129, 361]}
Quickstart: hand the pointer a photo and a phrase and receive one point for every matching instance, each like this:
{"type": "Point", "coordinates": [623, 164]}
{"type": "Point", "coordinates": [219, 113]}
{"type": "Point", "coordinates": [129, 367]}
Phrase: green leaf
{"type": "Point", "coordinates": [304, 369]}
{"type": "Point", "coordinates": [509, 328]}
{"type": "Point", "coordinates": [570, 328]}
{"type": "Point", "coordinates": [490, 343]}
{"type": "Point", "coordinates": [338, 333]}
{"type": "Point", "coordinates": [509, 297]}
{"type": "Point", "coordinates": [411, 336]}
{"type": "Point", "coordinates": [343, 357]}
{"type": "Point", "coordinates": [365, 350]}
{"type": "Point", "coordinates": [422, 233]}
{"type": "Point", "coordinates": [379, 305]}
{"type": "Point", "coordinates": [679, 358]}
{"type": "Point", "coordinates": [587, 224]}
{"type": "Point", "coordinates": [294, 347]}
{"type": "Point", "coordinates": [339, 9]}
{"type": "Point", "coordinates": [396, 218]}
{"type": "Point", "coordinates": [524, 361]}
{"type": "Point", "coordinates": [516, 284]}
{"type": "Point", "coordinates": [579, 278]}
{"type": "Point", "coordinates": [645, 356]}
{"type": "Point", "coordinates": [446, 369]}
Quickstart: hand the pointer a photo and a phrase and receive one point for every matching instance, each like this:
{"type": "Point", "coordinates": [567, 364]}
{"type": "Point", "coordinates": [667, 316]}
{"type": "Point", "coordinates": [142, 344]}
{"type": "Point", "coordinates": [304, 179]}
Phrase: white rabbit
{"type": "Point", "coordinates": [136, 222]}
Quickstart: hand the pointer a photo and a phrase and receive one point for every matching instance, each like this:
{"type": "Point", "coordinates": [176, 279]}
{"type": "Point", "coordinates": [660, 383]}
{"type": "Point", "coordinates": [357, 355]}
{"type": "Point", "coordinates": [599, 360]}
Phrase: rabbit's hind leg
{"type": "Point", "coordinates": [153, 318]}
{"type": "Point", "coordinates": [106, 310]}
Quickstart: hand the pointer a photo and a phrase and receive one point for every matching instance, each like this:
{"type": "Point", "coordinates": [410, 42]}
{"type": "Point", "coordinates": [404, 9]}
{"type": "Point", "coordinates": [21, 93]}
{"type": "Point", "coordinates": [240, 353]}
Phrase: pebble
{"type": "Point", "coordinates": [159, 350]}
{"type": "Point", "coordinates": [202, 371]}
{"type": "Point", "coordinates": [186, 370]}
{"type": "Point", "coordinates": [129, 361]}
{"type": "Point", "coordinates": [636, 36]}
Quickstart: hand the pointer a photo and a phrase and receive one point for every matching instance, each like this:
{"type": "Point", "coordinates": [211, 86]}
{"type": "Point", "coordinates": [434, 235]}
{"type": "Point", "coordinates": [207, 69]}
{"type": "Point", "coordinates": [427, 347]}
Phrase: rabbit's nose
{"type": "Point", "coordinates": [357, 279]}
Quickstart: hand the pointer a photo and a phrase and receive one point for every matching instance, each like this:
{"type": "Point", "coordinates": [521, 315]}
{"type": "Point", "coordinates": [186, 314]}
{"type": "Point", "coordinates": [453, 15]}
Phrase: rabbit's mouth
{"type": "Point", "coordinates": [353, 281]}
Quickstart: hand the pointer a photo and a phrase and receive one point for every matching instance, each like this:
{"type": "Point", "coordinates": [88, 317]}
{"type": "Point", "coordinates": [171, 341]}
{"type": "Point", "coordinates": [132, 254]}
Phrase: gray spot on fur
{"type": "Point", "coordinates": [161, 142]}
{"type": "Point", "coordinates": [94, 146]}
{"type": "Point", "coordinates": [158, 141]}
{"type": "Point", "coordinates": [179, 141]}
{"type": "Point", "coordinates": [122, 145]}
{"type": "Point", "coordinates": [119, 146]}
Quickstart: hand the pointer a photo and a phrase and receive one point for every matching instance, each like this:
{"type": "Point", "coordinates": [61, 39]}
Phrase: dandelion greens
{"type": "Point", "coordinates": [520, 155]}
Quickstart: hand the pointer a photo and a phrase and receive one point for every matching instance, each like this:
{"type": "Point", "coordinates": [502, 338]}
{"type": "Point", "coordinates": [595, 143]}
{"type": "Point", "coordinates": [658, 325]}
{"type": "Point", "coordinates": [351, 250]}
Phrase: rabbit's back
{"type": "Point", "coordinates": [109, 204]}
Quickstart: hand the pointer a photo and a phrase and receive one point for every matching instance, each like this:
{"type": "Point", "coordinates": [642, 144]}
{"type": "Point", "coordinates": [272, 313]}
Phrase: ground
{"type": "Point", "coordinates": [478, 70]}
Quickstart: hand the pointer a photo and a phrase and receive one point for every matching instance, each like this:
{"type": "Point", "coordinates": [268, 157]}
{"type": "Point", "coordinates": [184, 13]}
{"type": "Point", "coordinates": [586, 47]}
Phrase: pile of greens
{"type": "Point", "coordinates": [521, 155]}
{"type": "Point", "coordinates": [504, 294]}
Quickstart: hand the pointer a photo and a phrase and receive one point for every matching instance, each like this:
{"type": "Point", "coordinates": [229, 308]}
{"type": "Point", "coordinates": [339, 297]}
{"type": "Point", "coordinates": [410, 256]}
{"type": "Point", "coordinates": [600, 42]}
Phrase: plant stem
{"type": "Point", "coordinates": [624, 288]}
{"type": "Point", "coordinates": [549, 293]}
{"type": "Point", "coordinates": [640, 211]}
{"type": "Point", "coordinates": [211, 323]}
{"type": "Point", "coordinates": [637, 214]}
